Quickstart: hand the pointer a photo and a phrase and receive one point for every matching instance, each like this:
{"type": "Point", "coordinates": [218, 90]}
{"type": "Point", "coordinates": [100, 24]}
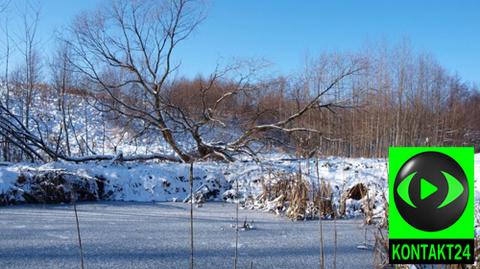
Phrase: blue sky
{"type": "Point", "coordinates": [284, 32]}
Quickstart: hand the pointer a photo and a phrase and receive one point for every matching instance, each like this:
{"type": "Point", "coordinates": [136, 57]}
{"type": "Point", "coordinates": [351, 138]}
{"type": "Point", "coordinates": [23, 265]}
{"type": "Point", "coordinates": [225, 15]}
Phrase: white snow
{"type": "Point", "coordinates": [8, 176]}
{"type": "Point", "coordinates": [169, 181]}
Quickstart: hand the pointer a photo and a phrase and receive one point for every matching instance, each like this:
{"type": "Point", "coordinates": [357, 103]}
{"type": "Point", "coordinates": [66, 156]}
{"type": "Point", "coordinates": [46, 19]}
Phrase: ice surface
{"type": "Point", "coordinates": [156, 235]}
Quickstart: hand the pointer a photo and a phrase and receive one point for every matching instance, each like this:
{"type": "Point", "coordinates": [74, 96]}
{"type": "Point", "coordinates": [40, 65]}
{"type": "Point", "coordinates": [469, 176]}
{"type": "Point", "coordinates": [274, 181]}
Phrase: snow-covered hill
{"type": "Point", "coordinates": [93, 130]}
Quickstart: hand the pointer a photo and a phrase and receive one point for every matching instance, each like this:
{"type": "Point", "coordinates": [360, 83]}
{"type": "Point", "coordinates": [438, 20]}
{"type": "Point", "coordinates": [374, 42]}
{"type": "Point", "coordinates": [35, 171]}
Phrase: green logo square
{"type": "Point", "coordinates": [431, 193]}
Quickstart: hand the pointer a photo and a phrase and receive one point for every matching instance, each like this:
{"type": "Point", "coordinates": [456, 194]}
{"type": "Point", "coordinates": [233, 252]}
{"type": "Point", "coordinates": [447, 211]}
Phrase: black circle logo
{"type": "Point", "coordinates": [431, 191]}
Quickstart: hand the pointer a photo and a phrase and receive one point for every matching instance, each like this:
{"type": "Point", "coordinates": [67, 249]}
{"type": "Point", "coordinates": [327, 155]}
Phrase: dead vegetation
{"type": "Point", "coordinates": [358, 192]}
{"type": "Point", "coordinates": [293, 195]}
{"type": "Point", "coordinates": [380, 256]}
{"type": "Point", "coordinates": [53, 186]}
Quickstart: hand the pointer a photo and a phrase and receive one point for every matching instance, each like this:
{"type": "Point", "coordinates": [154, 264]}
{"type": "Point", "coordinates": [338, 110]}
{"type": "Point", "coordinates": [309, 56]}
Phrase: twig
{"type": "Point", "coordinates": [191, 215]}
{"type": "Point", "coordinates": [322, 254]}
{"type": "Point", "coordinates": [235, 260]}
{"type": "Point", "coordinates": [78, 228]}
{"type": "Point", "coordinates": [335, 239]}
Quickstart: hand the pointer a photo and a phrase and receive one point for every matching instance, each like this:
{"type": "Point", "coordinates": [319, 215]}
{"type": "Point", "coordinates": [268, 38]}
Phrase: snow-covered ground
{"type": "Point", "coordinates": [169, 181]}
{"type": "Point", "coordinates": [156, 235]}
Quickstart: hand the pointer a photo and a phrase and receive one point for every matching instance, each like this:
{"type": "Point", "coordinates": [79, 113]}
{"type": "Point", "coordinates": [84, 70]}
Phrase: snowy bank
{"type": "Point", "coordinates": [212, 181]}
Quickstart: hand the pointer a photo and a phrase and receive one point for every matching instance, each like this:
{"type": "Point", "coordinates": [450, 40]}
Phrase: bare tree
{"type": "Point", "coordinates": [27, 44]}
{"type": "Point", "coordinates": [62, 82]}
{"type": "Point", "coordinates": [126, 51]}
{"type": "Point", "coordinates": [136, 40]}
{"type": "Point", "coordinates": [3, 7]}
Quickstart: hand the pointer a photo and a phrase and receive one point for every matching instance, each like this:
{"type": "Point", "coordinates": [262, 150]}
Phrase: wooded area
{"type": "Point", "coordinates": [114, 69]}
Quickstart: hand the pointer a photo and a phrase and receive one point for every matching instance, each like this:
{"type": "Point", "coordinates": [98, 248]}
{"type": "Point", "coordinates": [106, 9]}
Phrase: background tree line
{"type": "Point", "coordinates": [114, 70]}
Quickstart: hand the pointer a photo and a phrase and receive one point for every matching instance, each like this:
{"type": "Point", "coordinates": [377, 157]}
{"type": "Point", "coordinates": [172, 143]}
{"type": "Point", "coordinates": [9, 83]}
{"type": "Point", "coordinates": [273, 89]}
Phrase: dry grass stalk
{"type": "Point", "coordinates": [320, 208]}
{"type": "Point", "coordinates": [323, 199]}
{"type": "Point", "coordinates": [78, 235]}
{"type": "Point", "coordinates": [293, 195]}
{"type": "Point", "coordinates": [192, 200]}
{"type": "Point", "coordinates": [298, 199]}
{"type": "Point", "coordinates": [380, 250]}
{"type": "Point", "coordinates": [235, 260]}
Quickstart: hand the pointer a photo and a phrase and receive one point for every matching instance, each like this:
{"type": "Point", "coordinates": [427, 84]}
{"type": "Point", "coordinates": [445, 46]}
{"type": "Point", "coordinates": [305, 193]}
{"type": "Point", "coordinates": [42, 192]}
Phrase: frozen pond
{"type": "Point", "coordinates": [156, 235]}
